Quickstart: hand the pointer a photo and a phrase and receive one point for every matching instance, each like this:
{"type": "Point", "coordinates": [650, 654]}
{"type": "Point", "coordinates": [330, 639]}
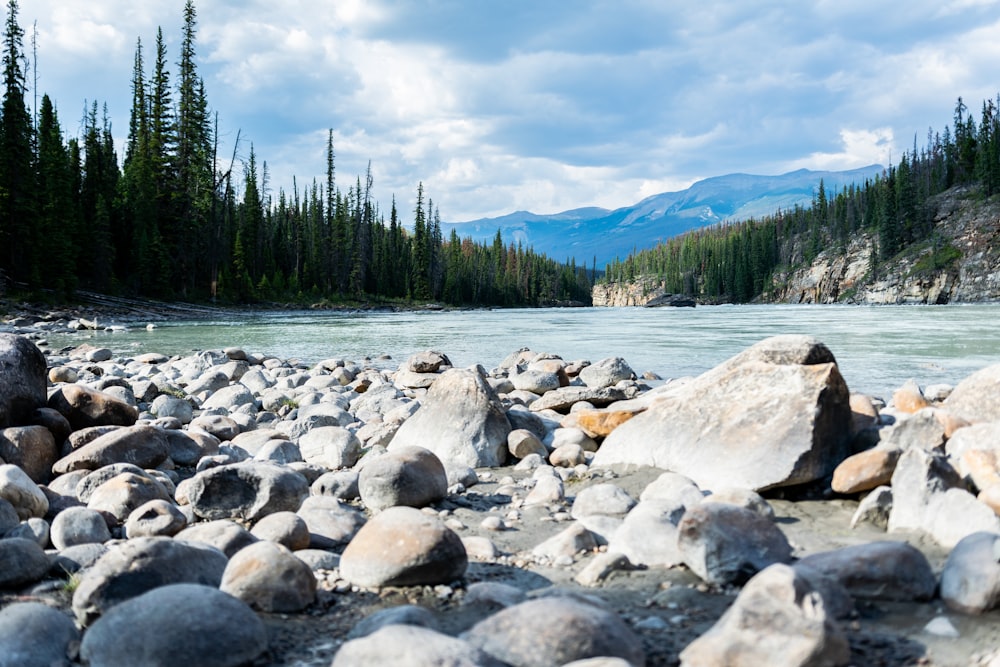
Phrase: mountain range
{"type": "Point", "coordinates": [598, 234]}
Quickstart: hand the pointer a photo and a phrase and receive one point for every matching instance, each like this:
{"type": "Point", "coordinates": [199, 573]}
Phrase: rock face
{"type": "Point", "coordinates": [461, 420]}
{"type": "Point", "coordinates": [22, 377]}
{"type": "Point", "coordinates": [774, 415]}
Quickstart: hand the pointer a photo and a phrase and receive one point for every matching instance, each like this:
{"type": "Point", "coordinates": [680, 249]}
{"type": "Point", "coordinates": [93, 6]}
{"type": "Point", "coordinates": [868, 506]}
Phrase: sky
{"type": "Point", "coordinates": [539, 105]}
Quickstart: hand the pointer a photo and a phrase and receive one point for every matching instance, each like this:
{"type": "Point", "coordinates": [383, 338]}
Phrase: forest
{"type": "Point", "coordinates": [180, 218]}
{"type": "Point", "coordinates": [736, 262]}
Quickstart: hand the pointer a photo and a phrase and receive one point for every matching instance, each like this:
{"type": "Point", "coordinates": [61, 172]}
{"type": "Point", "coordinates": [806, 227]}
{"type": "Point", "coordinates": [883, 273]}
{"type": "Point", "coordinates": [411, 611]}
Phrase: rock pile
{"type": "Point", "coordinates": [167, 506]}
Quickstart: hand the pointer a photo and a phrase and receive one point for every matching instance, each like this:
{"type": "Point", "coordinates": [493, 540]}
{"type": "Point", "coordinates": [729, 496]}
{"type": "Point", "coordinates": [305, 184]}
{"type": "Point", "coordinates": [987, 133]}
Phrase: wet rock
{"type": "Point", "coordinates": [877, 570]}
{"type": "Point", "coordinates": [33, 634]}
{"type": "Point", "coordinates": [410, 646]}
{"type": "Point", "coordinates": [132, 568]}
{"type": "Point", "coordinates": [84, 407]}
{"type": "Point", "coordinates": [423, 551]}
{"type": "Point", "coordinates": [268, 577]}
{"type": "Point", "coordinates": [726, 544]}
{"type": "Point", "coordinates": [22, 562]}
{"type": "Point", "coordinates": [217, 630]}
{"type": "Point", "coordinates": [460, 420]}
{"type": "Point", "coordinates": [777, 619]}
{"type": "Point", "coordinates": [553, 631]}
{"type": "Point", "coordinates": [970, 580]}
{"type": "Point", "coordinates": [247, 491]}
{"type": "Point", "coordinates": [406, 475]}
{"type": "Point", "coordinates": [22, 376]}
{"type": "Point", "coordinates": [141, 445]}
{"type": "Point", "coordinates": [774, 415]}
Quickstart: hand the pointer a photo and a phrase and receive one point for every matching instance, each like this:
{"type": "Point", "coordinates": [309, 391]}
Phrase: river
{"type": "Point", "coordinates": [877, 347]}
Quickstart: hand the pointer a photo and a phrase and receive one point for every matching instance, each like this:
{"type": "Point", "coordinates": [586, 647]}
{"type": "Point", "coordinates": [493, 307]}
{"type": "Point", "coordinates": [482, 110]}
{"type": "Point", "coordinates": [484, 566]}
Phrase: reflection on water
{"type": "Point", "coordinates": [877, 347]}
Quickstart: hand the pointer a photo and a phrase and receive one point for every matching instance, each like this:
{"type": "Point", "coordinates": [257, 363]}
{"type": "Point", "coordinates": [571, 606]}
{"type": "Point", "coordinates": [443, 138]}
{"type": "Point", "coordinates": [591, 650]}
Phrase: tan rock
{"type": "Point", "coordinates": [990, 496]}
{"type": "Point", "coordinates": [980, 466]}
{"type": "Point", "coordinates": [865, 470]}
{"type": "Point", "coordinates": [909, 398]}
{"type": "Point", "coordinates": [599, 423]}
{"type": "Point", "coordinates": [951, 422]}
{"type": "Point", "coordinates": [864, 414]}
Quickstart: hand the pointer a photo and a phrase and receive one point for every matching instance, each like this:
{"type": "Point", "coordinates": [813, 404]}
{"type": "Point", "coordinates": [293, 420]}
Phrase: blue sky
{"type": "Point", "coordinates": [541, 105]}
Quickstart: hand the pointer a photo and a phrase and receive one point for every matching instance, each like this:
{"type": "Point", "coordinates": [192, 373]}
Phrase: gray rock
{"type": "Point", "coordinates": [332, 447]}
{"type": "Point", "coordinates": [522, 442]}
{"type": "Point", "coordinates": [744, 498]}
{"type": "Point", "coordinates": [726, 544]}
{"type": "Point", "coordinates": [426, 551]}
{"type": "Point", "coordinates": [23, 378]}
{"type": "Point", "coordinates": [84, 407]}
{"type": "Point", "coordinates": [227, 536]}
{"type": "Point", "coordinates": [180, 409]}
{"type": "Point", "coordinates": [268, 577]}
{"type": "Point", "coordinates": [877, 570]}
{"type": "Point", "coordinates": [970, 580]}
{"type": "Point", "coordinates": [331, 523]}
{"type": "Point", "coordinates": [777, 619]}
{"type": "Point", "coordinates": [648, 535]}
{"type": "Point", "coordinates": [553, 631]}
{"type": "Point", "coordinates": [918, 478]}
{"type": "Point", "coordinates": [22, 562]}
{"type": "Point", "coordinates": [181, 624]}
{"type": "Point", "coordinates": [406, 475]}
{"type": "Point", "coordinates": [285, 528]}
{"type": "Point", "coordinates": [602, 499]}
{"type": "Point", "coordinates": [874, 508]}
{"type": "Point", "coordinates": [460, 420]}
{"type": "Point", "coordinates": [776, 414]}
{"type": "Point", "coordinates": [32, 529]}
{"type": "Point", "coordinates": [319, 559]}
{"type": "Point", "coordinates": [606, 373]}
{"type": "Point", "coordinates": [340, 484]}
{"type": "Point", "coordinates": [75, 558]}
{"type": "Point", "coordinates": [230, 398]}
{"type": "Point", "coordinates": [21, 491]}
{"type": "Point", "coordinates": [91, 480]}
{"type": "Point", "coordinates": [156, 517]}
{"type": "Point", "coordinates": [536, 382]}
{"type": "Point", "coordinates": [247, 491]}
{"type": "Point", "coordinates": [8, 517]}
{"type": "Point", "coordinates": [33, 634]}
{"type": "Point", "coordinates": [78, 525]}
{"type": "Point", "coordinates": [219, 426]}
{"type": "Point", "coordinates": [566, 544]}
{"type": "Point", "coordinates": [922, 430]}
{"type": "Point", "coordinates": [122, 495]}
{"type": "Point", "coordinates": [564, 398]}
{"type": "Point", "coordinates": [186, 448]}
{"type": "Point", "coordinates": [955, 514]}
{"type": "Point", "coordinates": [410, 646]}
{"type": "Point", "coordinates": [281, 452]}
{"type": "Point", "coordinates": [134, 567]}
{"type": "Point", "coordinates": [428, 361]}
{"type": "Point", "coordinates": [141, 445]}
{"type": "Point", "coordinates": [31, 448]}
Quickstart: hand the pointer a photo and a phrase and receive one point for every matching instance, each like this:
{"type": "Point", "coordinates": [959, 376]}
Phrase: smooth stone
{"type": "Point", "coordinates": [319, 559]}
{"type": "Point", "coordinates": [569, 455]}
{"type": "Point", "coordinates": [75, 558]}
{"type": "Point", "coordinates": [230, 398]}
{"type": "Point", "coordinates": [522, 442]}
{"type": "Point", "coordinates": [34, 529]}
{"type": "Point", "coordinates": [123, 494]}
{"type": "Point", "coordinates": [553, 631]}
{"type": "Point", "coordinates": [132, 568]}
{"type": "Point", "coordinates": [285, 528]}
{"type": "Point", "coordinates": [726, 544]}
{"type": "Point", "coordinates": [877, 571]}
{"type": "Point", "coordinates": [22, 492]}
{"type": "Point", "coordinates": [78, 525]}
{"type": "Point", "coordinates": [8, 517]}
{"type": "Point", "coordinates": [874, 508]}
{"type": "Point", "coordinates": [975, 398]}
{"type": "Point", "coordinates": [141, 445]}
{"type": "Point", "coordinates": [402, 546]}
{"type": "Point", "coordinates": [187, 448]}
{"type": "Point", "coordinates": [405, 614]}
{"type": "Point", "coordinates": [227, 536]}
{"type": "Point", "coordinates": [332, 447]}
{"type": "Point", "coordinates": [182, 624]}
{"type": "Point", "coordinates": [918, 478]}
{"type": "Point", "coordinates": [566, 544]}
{"type": "Point", "coordinates": [84, 407]}
{"type": "Point", "coordinates": [23, 378]}
{"type": "Point", "coordinates": [648, 535]}
{"type": "Point", "coordinates": [603, 499]}
{"type": "Point", "coordinates": [33, 634]}
{"type": "Point", "coordinates": [32, 448]}
{"type": "Point", "coordinates": [331, 523]}
{"type": "Point", "coordinates": [547, 491]}
{"type": "Point", "coordinates": [865, 470]}
{"type": "Point", "coordinates": [91, 480]}
{"type": "Point", "coordinates": [744, 498]}
{"type": "Point", "coordinates": [407, 475]}
{"type": "Point", "coordinates": [606, 373]}
{"type": "Point", "coordinates": [156, 517]}
{"type": "Point", "coordinates": [268, 576]}
{"type": "Point", "coordinates": [219, 426]}
{"type": "Point", "coordinates": [536, 382]}
{"type": "Point", "coordinates": [180, 409]}
{"type": "Point", "coordinates": [970, 580]}
{"type": "Point", "coordinates": [22, 562]}
{"type": "Point", "coordinates": [340, 484]}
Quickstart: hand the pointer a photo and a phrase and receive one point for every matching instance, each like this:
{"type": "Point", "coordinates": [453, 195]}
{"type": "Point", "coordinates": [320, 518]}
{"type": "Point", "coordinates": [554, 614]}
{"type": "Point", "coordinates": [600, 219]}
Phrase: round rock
{"type": "Point", "coordinates": [409, 475]}
{"type": "Point", "coordinates": [267, 576]}
{"type": "Point", "coordinates": [33, 634]}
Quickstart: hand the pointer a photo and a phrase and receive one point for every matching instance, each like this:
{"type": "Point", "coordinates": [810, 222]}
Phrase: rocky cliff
{"type": "Point", "coordinates": [961, 265]}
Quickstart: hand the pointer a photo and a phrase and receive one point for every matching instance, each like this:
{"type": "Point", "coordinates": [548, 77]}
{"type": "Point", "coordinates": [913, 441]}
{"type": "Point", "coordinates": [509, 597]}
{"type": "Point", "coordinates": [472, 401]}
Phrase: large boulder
{"type": "Point", "coordinates": [970, 580]}
{"type": "Point", "coordinates": [33, 634]}
{"type": "Point", "coordinates": [411, 476]}
{"type": "Point", "coordinates": [877, 571]}
{"type": "Point", "coordinates": [460, 420]}
{"type": "Point", "coordinates": [142, 445]}
{"type": "Point", "coordinates": [977, 397]}
{"type": "Point", "coordinates": [23, 377]}
{"type": "Point", "coordinates": [777, 414]}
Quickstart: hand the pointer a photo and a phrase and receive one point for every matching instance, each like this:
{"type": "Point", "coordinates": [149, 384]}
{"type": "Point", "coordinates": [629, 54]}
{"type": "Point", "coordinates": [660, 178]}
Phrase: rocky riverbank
{"type": "Point", "coordinates": [227, 508]}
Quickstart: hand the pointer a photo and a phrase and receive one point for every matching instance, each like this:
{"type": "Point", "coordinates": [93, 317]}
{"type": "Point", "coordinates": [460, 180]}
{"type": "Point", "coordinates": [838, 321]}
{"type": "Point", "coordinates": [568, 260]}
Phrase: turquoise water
{"type": "Point", "coordinates": [877, 347]}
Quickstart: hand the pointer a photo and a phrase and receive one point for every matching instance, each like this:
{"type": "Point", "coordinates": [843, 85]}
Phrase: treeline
{"type": "Point", "coordinates": [170, 222]}
{"type": "Point", "coordinates": [735, 262]}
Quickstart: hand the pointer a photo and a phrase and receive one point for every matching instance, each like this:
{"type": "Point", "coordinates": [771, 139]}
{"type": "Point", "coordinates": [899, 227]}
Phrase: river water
{"type": "Point", "coordinates": [878, 347]}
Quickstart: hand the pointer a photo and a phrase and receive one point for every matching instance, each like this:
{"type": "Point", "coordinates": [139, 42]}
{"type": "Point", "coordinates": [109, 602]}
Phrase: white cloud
{"type": "Point", "coordinates": [860, 148]}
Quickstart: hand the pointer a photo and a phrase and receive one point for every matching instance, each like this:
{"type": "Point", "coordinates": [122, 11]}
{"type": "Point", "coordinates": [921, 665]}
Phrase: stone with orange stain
{"type": "Point", "coordinates": [598, 423]}
{"type": "Point", "coordinates": [909, 398]}
{"type": "Point", "coordinates": [865, 470]}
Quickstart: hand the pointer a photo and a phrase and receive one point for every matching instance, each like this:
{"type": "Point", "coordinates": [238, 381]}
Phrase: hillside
{"type": "Point", "coordinates": [589, 234]}
{"type": "Point", "coordinates": [960, 263]}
